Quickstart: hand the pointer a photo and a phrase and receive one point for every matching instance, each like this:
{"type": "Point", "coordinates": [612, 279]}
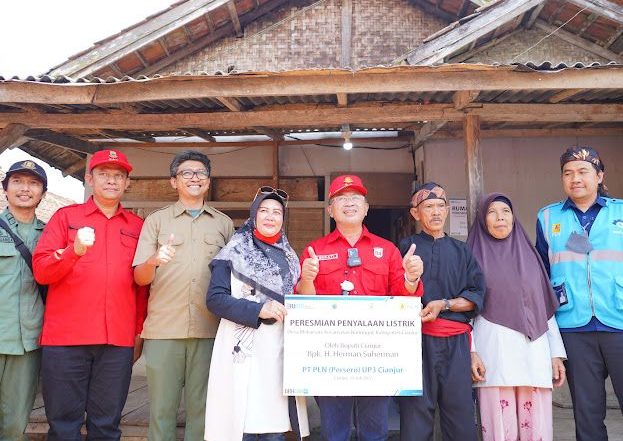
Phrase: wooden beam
{"type": "Point", "coordinates": [200, 133]}
{"type": "Point", "coordinates": [120, 134]}
{"type": "Point", "coordinates": [342, 99]}
{"type": "Point", "coordinates": [464, 8]}
{"type": "Point", "coordinates": [603, 8]}
{"type": "Point", "coordinates": [426, 132]}
{"type": "Point", "coordinates": [463, 98]}
{"type": "Point", "coordinates": [76, 166]}
{"type": "Point", "coordinates": [487, 21]}
{"type": "Point", "coordinates": [430, 9]}
{"type": "Point", "coordinates": [209, 22]}
{"type": "Point", "coordinates": [275, 135]}
{"type": "Point", "coordinates": [213, 35]}
{"type": "Point", "coordinates": [164, 47]}
{"type": "Point", "coordinates": [141, 59]}
{"type": "Point", "coordinates": [472, 51]}
{"type": "Point", "coordinates": [116, 70]}
{"type": "Point", "coordinates": [318, 116]}
{"type": "Point", "coordinates": [347, 31]}
{"type": "Point", "coordinates": [137, 37]}
{"type": "Point", "coordinates": [12, 136]}
{"type": "Point", "coordinates": [233, 13]}
{"type": "Point", "coordinates": [552, 18]}
{"type": "Point", "coordinates": [535, 133]}
{"type": "Point", "coordinates": [276, 164]}
{"type": "Point", "coordinates": [230, 102]}
{"type": "Point", "coordinates": [189, 37]}
{"type": "Point", "coordinates": [324, 82]}
{"type": "Point", "coordinates": [534, 15]}
{"type": "Point", "coordinates": [337, 142]}
{"type": "Point", "coordinates": [614, 37]}
{"type": "Point", "coordinates": [473, 165]}
{"type": "Point", "coordinates": [62, 140]}
{"type": "Point", "coordinates": [587, 24]}
{"type": "Point", "coordinates": [564, 94]}
{"type": "Point", "coordinates": [579, 42]}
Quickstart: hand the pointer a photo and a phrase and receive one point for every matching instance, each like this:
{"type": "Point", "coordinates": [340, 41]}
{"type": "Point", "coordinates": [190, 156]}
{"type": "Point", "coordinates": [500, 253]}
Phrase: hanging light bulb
{"type": "Point", "coordinates": [346, 134]}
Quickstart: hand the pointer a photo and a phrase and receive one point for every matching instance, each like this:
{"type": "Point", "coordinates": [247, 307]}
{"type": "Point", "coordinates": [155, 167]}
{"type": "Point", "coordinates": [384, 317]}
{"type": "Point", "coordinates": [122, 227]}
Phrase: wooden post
{"type": "Point", "coordinates": [473, 164]}
{"type": "Point", "coordinates": [347, 28]}
{"type": "Point", "coordinates": [276, 164]}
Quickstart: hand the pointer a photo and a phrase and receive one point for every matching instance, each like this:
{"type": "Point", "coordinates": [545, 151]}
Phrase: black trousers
{"type": "Point", "coordinates": [592, 357]}
{"type": "Point", "coordinates": [78, 379]}
{"type": "Point", "coordinates": [446, 369]}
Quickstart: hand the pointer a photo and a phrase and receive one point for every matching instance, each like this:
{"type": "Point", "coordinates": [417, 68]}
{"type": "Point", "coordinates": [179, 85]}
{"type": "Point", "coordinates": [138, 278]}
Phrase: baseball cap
{"type": "Point", "coordinates": [110, 157]}
{"type": "Point", "coordinates": [346, 182]}
{"type": "Point", "coordinates": [27, 166]}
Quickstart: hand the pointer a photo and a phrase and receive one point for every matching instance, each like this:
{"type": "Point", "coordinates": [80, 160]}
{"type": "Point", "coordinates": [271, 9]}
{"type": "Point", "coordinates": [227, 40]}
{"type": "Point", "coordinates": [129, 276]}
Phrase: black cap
{"type": "Point", "coordinates": [27, 166]}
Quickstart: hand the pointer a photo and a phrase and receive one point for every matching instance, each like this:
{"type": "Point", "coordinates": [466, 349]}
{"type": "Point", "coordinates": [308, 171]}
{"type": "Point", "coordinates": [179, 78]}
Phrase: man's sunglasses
{"type": "Point", "coordinates": [266, 189]}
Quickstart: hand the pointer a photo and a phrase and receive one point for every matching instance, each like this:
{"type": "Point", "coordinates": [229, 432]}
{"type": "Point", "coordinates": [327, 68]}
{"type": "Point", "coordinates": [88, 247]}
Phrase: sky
{"type": "Point", "coordinates": [36, 35]}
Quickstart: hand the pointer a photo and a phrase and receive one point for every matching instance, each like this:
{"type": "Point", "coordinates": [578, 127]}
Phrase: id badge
{"type": "Point", "coordinates": [561, 293]}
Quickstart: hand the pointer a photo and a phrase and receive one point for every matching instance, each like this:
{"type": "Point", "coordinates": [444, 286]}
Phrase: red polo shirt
{"type": "Point", "coordinates": [92, 299]}
{"type": "Point", "coordinates": [380, 274]}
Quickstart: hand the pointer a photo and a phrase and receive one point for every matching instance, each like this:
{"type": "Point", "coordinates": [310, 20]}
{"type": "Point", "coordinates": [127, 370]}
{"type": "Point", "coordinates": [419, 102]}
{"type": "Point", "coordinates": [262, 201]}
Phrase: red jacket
{"type": "Point", "coordinates": [380, 274]}
{"type": "Point", "coordinates": [92, 299]}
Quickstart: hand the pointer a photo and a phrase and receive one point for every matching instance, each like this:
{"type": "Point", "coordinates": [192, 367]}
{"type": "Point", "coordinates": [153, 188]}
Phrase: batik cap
{"type": "Point", "coordinates": [582, 153]}
{"type": "Point", "coordinates": [430, 190]}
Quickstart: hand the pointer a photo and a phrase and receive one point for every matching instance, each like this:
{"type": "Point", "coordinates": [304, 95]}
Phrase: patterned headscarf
{"type": "Point", "coordinates": [579, 153]}
{"type": "Point", "coordinates": [430, 190]}
{"type": "Point", "coordinates": [272, 270]}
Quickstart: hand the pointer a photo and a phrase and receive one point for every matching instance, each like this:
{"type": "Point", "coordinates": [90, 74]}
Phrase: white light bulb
{"type": "Point", "coordinates": [347, 145]}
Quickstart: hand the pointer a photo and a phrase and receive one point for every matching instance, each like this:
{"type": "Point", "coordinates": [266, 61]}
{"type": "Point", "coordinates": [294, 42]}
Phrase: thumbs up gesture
{"type": "Point", "coordinates": [310, 267]}
{"type": "Point", "coordinates": [166, 252]}
{"type": "Point", "coordinates": [412, 264]}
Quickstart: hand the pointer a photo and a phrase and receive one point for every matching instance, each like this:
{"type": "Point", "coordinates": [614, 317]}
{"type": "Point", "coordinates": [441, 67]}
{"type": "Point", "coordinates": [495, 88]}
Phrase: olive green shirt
{"type": "Point", "coordinates": [177, 297]}
{"type": "Point", "coordinates": [21, 307]}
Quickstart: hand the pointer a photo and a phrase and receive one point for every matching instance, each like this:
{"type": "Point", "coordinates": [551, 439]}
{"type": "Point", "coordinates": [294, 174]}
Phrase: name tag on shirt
{"type": "Point", "coordinates": [327, 256]}
{"type": "Point", "coordinates": [561, 293]}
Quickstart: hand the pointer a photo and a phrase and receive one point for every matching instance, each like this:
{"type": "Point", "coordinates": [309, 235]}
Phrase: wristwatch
{"type": "Point", "coordinates": [446, 304]}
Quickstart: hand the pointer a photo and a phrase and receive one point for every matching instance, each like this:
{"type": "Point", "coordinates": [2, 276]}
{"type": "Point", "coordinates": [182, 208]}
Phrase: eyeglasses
{"type": "Point", "coordinates": [356, 198]}
{"type": "Point", "coordinates": [106, 177]}
{"type": "Point", "coordinates": [266, 189]}
{"type": "Point", "coordinates": [189, 174]}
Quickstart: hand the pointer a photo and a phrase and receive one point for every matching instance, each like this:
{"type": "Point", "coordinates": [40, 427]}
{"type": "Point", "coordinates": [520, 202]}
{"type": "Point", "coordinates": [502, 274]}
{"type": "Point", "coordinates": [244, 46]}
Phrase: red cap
{"type": "Point", "coordinates": [346, 182]}
{"type": "Point", "coordinates": [110, 157]}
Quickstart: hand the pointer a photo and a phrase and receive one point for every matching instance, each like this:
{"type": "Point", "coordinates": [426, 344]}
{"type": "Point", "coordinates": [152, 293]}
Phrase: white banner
{"type": "Point", "coordinates": [352, 346]}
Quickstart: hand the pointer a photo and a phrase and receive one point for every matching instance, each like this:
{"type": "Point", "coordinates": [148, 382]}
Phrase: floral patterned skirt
{"type": "Point", "coordinates": [520, 413]}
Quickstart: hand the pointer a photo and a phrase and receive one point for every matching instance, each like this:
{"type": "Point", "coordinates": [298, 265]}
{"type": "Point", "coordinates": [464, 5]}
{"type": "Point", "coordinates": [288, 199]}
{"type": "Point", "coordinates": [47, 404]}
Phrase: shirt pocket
{"type": "Point", "coordinates": [331, 274]}
{"type": "Point", "coordinates": [212, 244]}
{"type": "Point", "coordinates": [163, 239]}
{"type": "Point", "coordinates": [129, 239]}
{"type": "Point", "coordinates": [375, 278]}
{"type": "Point", "coordinates": [8, 252]}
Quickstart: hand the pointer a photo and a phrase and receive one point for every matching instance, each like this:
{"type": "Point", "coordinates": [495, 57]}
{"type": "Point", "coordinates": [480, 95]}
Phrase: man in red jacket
{"type": "Point", "coordinates": [351, 260]}
{"type": "Point", "coordinates": [94, 310]}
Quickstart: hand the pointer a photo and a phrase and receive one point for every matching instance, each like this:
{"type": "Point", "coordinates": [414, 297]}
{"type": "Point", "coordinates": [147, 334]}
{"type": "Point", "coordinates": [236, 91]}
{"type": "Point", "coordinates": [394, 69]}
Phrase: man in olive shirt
{"type": "Point", "coordinates": [176, 246]}
{"type": "Point", "coordinates": [21, 307]}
